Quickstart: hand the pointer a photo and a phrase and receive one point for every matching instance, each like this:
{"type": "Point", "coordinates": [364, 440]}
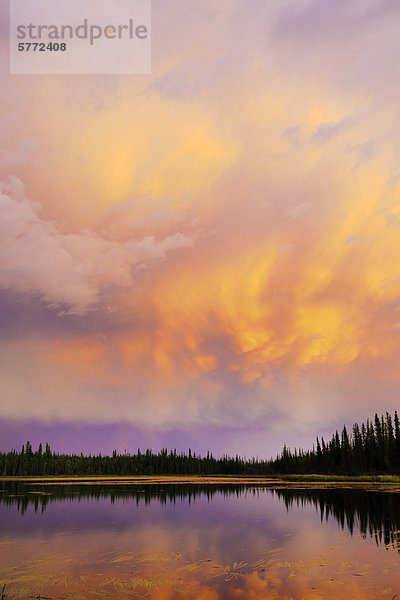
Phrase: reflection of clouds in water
{"type": "Point", "coordinates": [260, 545]}
{"type": "Point", "coordinates": [366, 512]}
{"type": "Point", "coordinates": [168, 576]}
{"type": "Point", "coordinates": [79, 570]}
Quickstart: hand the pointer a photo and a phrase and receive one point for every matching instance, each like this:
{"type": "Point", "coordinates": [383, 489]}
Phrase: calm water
{"type": "Point", "coordinates": [206, 542]}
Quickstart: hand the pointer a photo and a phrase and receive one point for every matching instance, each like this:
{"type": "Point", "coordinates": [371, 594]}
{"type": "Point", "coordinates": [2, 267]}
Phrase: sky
{"type": "Point", "coordinates": [207, 256]}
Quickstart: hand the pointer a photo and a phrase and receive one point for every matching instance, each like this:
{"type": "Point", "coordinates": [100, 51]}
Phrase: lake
{"type": "Point", "coordinates": [99, 540]}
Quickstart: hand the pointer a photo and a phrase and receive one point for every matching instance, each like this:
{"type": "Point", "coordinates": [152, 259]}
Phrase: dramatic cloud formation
{"type": "Point", "coordinates": [212, 249]}
{"type": "Point", "coordinates": [66, 268]}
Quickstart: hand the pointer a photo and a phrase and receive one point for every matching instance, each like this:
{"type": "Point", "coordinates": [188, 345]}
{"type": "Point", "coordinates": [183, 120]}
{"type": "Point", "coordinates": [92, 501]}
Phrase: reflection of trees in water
{"type": "Point", "coordinates": [371, 513]}
{"type": "Point", "coordinates": [39, 496]}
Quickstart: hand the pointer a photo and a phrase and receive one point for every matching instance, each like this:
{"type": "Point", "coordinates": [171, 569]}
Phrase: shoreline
{"type": "Point", "coordinates": [385, 481]}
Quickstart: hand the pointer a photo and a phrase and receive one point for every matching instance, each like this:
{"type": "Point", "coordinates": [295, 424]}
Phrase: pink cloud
{"type": "Point", "coordinates": [67, 268]}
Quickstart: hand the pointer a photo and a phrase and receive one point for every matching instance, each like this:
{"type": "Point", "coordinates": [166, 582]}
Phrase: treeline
{"type": "Point", "coordinates": [373, 447]}
{"type": "Point", "coordinates": [47, 462]}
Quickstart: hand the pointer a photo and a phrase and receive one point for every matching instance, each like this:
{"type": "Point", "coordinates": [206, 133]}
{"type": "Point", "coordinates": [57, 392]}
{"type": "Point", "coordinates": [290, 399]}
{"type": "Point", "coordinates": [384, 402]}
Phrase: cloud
{"type": "Point", "coordinates": [312, 19]}
{"type": "Point", "coordinates": [353, 239]}
{"type": "Point", "coordinates": [26, 151]}
{"type": "Point", "coordinates": [299, 210]}
{"type": "Point", "coordinates": [364, 152]}
{"type": "Point", "coordinates": [153, 249]}
{"type": "Point", "coordinates": [271, 306]}
{"type": "Point", "coordinates": [326, 131]}
{"type": "Point", "coordinates": [65, 268]}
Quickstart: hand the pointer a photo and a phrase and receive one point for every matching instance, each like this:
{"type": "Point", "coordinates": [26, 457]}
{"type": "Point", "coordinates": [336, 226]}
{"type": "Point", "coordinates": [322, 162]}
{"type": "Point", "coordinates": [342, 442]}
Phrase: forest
{"type": "Point", "coordinates": [370, 448]}
{"type": "Point", "coordinates": [47, 462]}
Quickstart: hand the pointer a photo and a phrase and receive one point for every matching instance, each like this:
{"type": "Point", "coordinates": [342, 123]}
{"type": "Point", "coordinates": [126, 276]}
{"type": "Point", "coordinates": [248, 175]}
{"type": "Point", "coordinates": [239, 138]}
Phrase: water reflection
{"type": "Point", "coordinates": [198, 542]}
{"type": "Point", "coordinates": [376, 514]}
{"type": "Point", "coordinates": [370, 513]}
{"type": "Point", "coordinates": [41, 495]}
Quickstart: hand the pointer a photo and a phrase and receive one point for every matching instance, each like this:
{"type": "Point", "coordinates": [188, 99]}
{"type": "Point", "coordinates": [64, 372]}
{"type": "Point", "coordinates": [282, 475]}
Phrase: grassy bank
{"type": "Point", "coordinates": [198, 479]}
{"type": "Point", "coordinates": [340, 478]}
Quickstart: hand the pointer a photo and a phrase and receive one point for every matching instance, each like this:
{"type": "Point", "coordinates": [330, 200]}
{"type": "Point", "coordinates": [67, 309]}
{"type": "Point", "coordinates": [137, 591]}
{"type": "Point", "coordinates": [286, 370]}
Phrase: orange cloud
{"type": "Point", "coordinates": [227, 227]}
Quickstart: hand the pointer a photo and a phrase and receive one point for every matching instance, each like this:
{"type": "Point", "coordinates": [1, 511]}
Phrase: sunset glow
{"type": "Point", "coordinates": [211, 253]}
